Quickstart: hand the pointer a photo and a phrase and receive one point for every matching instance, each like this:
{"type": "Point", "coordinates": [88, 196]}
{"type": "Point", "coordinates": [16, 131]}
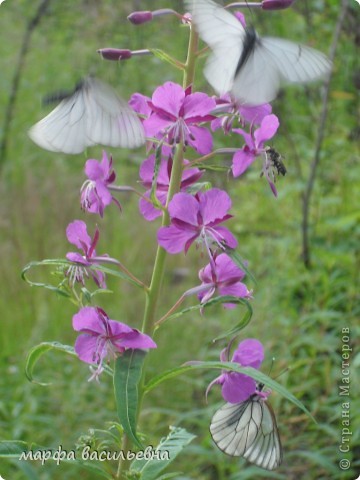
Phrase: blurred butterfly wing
{"type": "Point", "coordinates": [93, 114]}
{"type": "Point", "coordinates": [64, 129]}
{"type": "Point", "coordinates": [248, 429]}
{"type": "Point", "coordinates": [258, 81]}
{"type": "Point", "coordinates": [296, 63]}
{"type": "Point", "coordinates": [270, 61]}
{"type": "Point", "coordinates": [224, 34]}
{"type": "Point", "coordinates": [110, 120]}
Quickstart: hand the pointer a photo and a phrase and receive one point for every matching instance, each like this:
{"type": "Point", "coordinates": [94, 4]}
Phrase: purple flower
{"type": "Point", "coordinates": [76, 233]}
{"type": "Point", "coordinates": [189, 177]}
{"type": "Point", "coordinates": [140, 104]}
{"type": "Point", "coordinates": [177, 114]}
{"type": "Point", "coordinates": [224, 276]}
{"type": "Point", "coordinates": [195, 217]}
{"type": "Point", "coordinates": [238, 387]}
{"type": "Point", "coordinates": [254, 144]}
{"type": "Point", "coordinates": [235, 110]}
{"type": "Point", "coordinates": [95, 195]}
{"type": "Point", "coordinates": [101, 337]}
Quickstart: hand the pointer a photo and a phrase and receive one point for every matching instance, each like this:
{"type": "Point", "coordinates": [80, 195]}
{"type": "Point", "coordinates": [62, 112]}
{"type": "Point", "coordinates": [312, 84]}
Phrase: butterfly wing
{"type": "Point", "coordinates": [270, 62]}
{"type": "Point", "coordinates": [64, 129]}
{"type": "Point", "coordinates": [224, 34]}
{"type": "Point", "coordinates": [274, 62]}
{"type": "Point", "coordinates": [109, 119]}
{"type": "Point", "coordinates": [248, 429]}
{"type": "Point", "coordinates": [93, 114]}
{"type": "Point", "coordinates": [296, 63]}
{"type": "Point", "coordinates": [266, 450]}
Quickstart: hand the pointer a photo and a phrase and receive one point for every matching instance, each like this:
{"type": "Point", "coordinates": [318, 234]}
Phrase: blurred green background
{"type": "Point", "coordinates": [299, 312]}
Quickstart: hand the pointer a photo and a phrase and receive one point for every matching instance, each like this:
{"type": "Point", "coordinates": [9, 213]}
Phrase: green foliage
{"type": "Point", "coordinates": [167, 450]}
{"type": "Point", "coordinates": [127, 376]}
{"type": "Point", "coordinates": [298, 313]}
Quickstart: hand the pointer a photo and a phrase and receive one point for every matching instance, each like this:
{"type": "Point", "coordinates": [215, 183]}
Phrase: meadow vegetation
{"type": "Point", "coordinates": [299, 311]}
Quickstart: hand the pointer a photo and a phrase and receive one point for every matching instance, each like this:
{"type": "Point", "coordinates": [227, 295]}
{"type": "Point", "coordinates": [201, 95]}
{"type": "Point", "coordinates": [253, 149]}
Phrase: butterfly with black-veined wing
{"type": "Point", "coordinates": [250, 67]}
{"type": "Point", "coordinates": [248, 429]}
{"type": "Point", "coordinates": [92, 114]}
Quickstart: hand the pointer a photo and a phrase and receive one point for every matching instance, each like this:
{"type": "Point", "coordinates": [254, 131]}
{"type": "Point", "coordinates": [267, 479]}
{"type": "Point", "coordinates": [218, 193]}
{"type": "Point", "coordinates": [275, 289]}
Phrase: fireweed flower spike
{"type": "Point", "coordinates": [255, 146]}
{"type": "Point", "coordinates": [177, 114]}
{"type": "Point", "coordinates": [76, 233]}
{"type": "Point", "coordinates": [224, 277]}
{"type": "Point", "coordinates": [238, 387]}
{"type": "Point", "coordinates": [95, 195]}
{"type": "Point", "coordinates": [197, 217]}
{"type": "Point", "coordinates": [189, 177]}
{"type": "Point", "coordinates": [104, 338]}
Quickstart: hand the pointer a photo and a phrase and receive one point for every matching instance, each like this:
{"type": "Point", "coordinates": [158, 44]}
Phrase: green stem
{"type": "Point", "coordinates": [189, 72]}
{"type": "Point", "coordinates": [153, 293]}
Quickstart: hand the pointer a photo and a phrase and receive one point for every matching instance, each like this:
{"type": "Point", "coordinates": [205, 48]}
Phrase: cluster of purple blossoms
{"type": "Point", "coordinates": [102, 338]}
{"type": "Point", "coordinates": [172, 116]}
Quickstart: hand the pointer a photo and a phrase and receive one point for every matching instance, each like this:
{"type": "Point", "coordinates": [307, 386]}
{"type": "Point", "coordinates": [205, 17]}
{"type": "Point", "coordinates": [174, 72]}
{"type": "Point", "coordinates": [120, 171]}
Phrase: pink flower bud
{"type": "Point", "coordinates": [276, 4]}
{"type": "Point", "coordinates": [115, 53]}
{"type": "Point", "coordinates": [137, 18]}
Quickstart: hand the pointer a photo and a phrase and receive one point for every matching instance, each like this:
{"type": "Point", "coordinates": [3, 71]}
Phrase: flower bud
{"type": "Point", "coordinates": [115, 53]}
{"type": "Point", "coordinates": [276, 4]}
{"type": "Point", "coordinates": [138, 18]}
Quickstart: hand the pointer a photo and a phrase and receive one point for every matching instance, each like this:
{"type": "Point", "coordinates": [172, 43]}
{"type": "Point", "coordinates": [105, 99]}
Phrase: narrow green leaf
{"type": "Point", "coordinates": [127, 375]}
{"type": "Point", "coordinates": [197, 187]}
{"type": "Point", "coordinates": [165, 453]}
{"type": "Point", "coordinates": [59, 263]}
{"type": "Point", "coordinates": [12, 448]}
{"type": "Point", "coordinates": [234, 255]}
{"type": "Point", "coordinates": [210, 303]}
{"type": "Point", "coordinates": [158, 157]}
{"type": "Point", "coordinates": [212, 168]}
{"type": "Point", "coordinates": [239, 326]}
{"type": "Point", "coordinates": [39, 350]}
{"type": "Point", "coordinates": [166, 58]}
{"type": "Point", "coordinates": [235, 367]}
{"type": "Point", "coordinates": [62, 265]}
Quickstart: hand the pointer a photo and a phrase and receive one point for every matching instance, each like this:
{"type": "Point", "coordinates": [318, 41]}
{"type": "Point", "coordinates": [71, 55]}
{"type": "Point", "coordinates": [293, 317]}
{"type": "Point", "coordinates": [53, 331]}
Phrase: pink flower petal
{"type": "Point", "coordinates": [184, 207]}
{"type": "Point", "coordinates": [237, 387]}
{"type": "Point", "coordinates": [214, 205]}
{"type": "Point", "coordinates": [169, 97]}
{"type": "Point", "coordinates": [241, 162]}
{"type": "Point", "coordinates": [174, 240]}
{"type": "Point", "coordinates": [250, 352]}
{"type": "Point", "coordinates": [76, 233]}
{"type": "Point", "coordinates": [267, 130]}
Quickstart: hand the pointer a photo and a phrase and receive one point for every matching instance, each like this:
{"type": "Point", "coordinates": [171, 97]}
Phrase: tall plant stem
{"type": "Point", "coordinates": [306, 255]}
{"type": "Point", "coordinates": [153, 293]}
{"type": "Point", "coordinates": [9, 111]}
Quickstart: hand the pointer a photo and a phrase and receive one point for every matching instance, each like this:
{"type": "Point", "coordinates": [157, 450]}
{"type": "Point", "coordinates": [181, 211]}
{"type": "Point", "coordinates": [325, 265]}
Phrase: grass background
{"type": "Point", "coordinates": [299, 313]}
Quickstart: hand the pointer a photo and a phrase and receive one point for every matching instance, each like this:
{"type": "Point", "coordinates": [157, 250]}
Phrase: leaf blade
{"type": "Point", "coordinates": [128, 369]}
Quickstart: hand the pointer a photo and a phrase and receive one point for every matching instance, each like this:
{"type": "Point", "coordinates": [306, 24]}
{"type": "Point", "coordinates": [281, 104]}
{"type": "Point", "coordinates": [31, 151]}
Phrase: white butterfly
{"type": "Point", "coordinates": [248, 429]}
{"type": "Point", "coordinates": [92, 114]}
{"type": "Point", "coordinates": [248, 66]}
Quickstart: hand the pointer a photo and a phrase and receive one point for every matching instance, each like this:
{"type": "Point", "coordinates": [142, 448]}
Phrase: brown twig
{"type": "Point", "coordinates": [32, 24]}
{"type": "Point", "coordinates": [320, 137]}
